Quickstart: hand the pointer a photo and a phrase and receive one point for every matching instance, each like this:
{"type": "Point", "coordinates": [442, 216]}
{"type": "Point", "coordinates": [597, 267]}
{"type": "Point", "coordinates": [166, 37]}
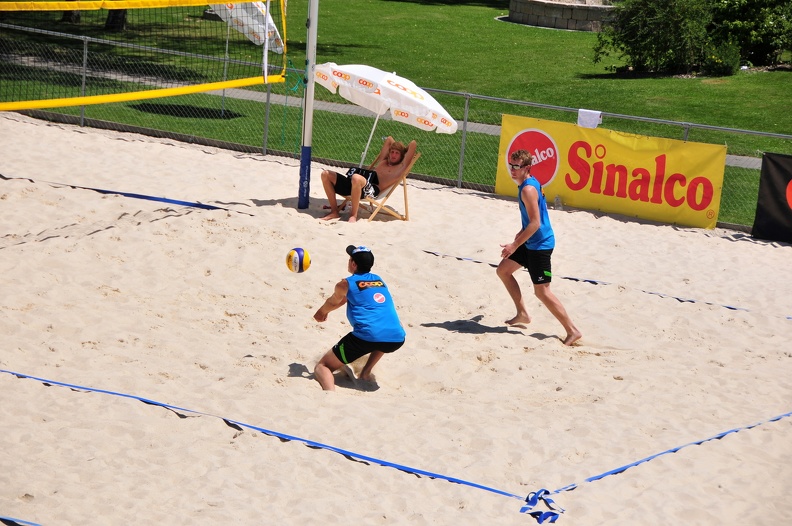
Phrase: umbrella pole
{"type": "Point", "coordinates": [363, 157]}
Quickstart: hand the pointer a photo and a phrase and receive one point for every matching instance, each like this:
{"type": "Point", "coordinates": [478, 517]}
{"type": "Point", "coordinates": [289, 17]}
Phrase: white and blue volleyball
{"type": "Point", "coordinates": [298, 260]}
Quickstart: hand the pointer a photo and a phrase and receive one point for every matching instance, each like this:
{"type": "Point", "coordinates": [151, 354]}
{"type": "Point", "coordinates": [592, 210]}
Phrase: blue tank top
{"type": "Point", "coordinates": [371, 311]}
{"type": "Point", "coordinates": [544, 238]}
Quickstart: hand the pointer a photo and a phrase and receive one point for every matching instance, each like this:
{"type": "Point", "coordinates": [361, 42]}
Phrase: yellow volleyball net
{"type": "Point", "coordinates": [75, 53]}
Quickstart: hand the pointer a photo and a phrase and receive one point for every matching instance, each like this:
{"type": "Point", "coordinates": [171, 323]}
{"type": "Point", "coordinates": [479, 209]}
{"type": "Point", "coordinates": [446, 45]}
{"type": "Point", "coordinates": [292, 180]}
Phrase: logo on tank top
{"type": "Point", "coordinates": [362, 285]}
{"type": "Point", "coordinates": [379, 297]}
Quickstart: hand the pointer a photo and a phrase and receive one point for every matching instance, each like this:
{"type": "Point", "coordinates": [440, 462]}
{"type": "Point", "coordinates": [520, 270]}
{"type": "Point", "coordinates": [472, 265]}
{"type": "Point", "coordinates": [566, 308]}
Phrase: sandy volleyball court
{"type": "Point", "coordinates": [195, 309]}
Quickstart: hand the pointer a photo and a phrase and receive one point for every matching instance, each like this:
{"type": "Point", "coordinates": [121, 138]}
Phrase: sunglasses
{"type": "Point", "coordinates": [515, 166]}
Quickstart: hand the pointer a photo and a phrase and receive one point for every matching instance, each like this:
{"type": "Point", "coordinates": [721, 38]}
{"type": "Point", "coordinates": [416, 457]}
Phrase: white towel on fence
{"type": "Point", "coordinates": [589, 118]}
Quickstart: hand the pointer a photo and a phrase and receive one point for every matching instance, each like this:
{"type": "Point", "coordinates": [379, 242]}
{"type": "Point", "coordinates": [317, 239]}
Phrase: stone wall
{"type": "Point", "coordinates": [577, 15]}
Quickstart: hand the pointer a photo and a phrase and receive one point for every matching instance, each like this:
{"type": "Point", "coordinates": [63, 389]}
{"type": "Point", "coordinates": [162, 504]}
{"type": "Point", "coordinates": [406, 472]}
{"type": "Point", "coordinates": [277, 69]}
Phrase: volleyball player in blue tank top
{"type": "Point", "coordinates": [532, 248]}
{"type": "Point", "coordinates": [376, 329]}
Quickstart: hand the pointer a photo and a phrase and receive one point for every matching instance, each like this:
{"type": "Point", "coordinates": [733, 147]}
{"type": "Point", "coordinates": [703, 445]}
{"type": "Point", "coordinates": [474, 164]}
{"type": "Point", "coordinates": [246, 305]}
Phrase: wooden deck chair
{"type": "Point", "coordinates": [374, 205]}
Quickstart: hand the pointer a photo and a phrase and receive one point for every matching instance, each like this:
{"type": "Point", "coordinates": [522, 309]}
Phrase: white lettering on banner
{"type": "Point", "coordinates": [542, 156]}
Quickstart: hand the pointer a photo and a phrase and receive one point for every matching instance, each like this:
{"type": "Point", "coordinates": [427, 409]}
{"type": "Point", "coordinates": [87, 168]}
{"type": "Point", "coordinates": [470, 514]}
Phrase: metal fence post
{"type": "Point", "coordinates": [84, 77]}
{"type": "Point", "coordinates": [464, 138]}
{"type": "Point", "coordinates": [266, 120]}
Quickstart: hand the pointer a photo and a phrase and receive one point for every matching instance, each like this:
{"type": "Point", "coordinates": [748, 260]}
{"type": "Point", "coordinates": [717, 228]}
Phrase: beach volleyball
{"type": "Point", "coordinates": [298, 260]}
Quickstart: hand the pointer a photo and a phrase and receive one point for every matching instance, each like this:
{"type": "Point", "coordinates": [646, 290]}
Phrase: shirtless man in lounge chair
{"type": "Point", "coordinates": [388, 166]}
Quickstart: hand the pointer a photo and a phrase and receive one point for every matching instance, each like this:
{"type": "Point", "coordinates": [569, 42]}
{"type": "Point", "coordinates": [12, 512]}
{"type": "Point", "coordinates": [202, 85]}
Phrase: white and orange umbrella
{"type": "Point", "coordinates": [380, 92]}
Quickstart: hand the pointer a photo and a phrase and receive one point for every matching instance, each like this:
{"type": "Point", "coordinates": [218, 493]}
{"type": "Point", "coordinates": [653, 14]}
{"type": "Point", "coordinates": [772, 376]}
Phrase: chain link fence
{"type": "Point", "coordinates": [268, 119]}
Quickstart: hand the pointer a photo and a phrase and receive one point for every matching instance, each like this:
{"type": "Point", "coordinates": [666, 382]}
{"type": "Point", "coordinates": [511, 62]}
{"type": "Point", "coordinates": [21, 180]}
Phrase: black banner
{"type": "Point", "coordinates": [774, 206]}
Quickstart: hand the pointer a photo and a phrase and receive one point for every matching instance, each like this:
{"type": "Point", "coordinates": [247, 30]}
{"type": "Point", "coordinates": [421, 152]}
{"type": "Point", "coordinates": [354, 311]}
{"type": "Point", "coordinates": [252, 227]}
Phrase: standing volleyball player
{"type": "Point", "coordinates": [376, 328]}
{"type": "Point", "coordinates": [532, 248]}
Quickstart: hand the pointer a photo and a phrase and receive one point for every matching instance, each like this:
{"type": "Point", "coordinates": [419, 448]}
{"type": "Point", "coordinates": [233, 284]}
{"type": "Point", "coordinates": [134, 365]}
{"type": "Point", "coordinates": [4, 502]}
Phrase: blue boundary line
{"type": "Point", "coordinates": [191, 204]}
{"type": "Point", "coordinates": [571, 487]}
{"type": "Point", "coordinates": [269, 432]}
{"type": "Point", "coordinates": [532, 501]}
{"type": "Point", "coordinates": [597, 282]}
{"type": "Point", "coordinates": [10, 521]}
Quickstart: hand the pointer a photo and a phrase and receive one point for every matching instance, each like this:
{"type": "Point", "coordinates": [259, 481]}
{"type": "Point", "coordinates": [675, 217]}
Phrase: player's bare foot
{"type": "Point", "coordinates": [572, 338]}
{"type": "Point", "coordinates": [331, 215]}
{"type": "Point", "coordinates": [352, 219]}
{"type": "Point", "coordinates": [520, 319]}
{"type": "Point", "coordinates": [368, 383]}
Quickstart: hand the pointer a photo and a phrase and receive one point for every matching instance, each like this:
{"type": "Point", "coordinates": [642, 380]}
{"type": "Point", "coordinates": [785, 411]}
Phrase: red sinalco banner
{"type": "Point", "coordinates": [658, 179]}
{"type": "Point", "coordinates": [773, 219]}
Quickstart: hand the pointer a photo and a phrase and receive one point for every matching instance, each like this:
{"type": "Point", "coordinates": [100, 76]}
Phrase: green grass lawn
{"type": "Point", "coordinates": [464, 47]}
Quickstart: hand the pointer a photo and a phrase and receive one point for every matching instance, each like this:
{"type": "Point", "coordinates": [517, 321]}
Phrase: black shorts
{"type": "Point", "coordinates": [536, 261]}
{"type": "Point", "coordinates": [343, 184]}
{"type": "Point", "coordinates": [350, 348]}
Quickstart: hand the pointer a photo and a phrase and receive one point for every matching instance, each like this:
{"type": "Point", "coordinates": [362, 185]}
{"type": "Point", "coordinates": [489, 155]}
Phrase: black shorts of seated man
{"type": "Point", "coordinates": [388, 166]}
{"type": "Point", "coordinates": [376, 329]}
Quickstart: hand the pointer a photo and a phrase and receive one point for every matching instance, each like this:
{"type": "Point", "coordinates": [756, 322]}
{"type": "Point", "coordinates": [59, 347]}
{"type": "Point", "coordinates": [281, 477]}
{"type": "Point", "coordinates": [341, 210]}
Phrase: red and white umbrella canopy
{"type": "Point", "coordinates": [380, 91]}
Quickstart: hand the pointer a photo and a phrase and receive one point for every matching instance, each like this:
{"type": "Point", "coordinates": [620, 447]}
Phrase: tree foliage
{"type": "Point", "coordinates": [672, 36]}
{"type": "Point", "coordinates": [761, 28]}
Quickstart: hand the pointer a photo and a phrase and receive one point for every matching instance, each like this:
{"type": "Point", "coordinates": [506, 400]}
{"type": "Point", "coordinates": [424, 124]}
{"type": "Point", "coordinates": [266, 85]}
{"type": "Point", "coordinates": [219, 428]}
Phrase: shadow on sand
{"type": "Point", "coordinates": [343, 379]}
